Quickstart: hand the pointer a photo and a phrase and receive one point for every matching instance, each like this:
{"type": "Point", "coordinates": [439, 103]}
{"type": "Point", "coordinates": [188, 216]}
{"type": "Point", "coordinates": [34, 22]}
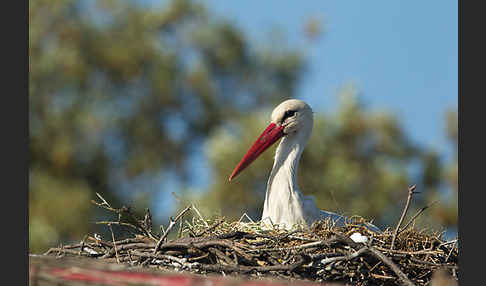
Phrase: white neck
{"type": "Point", "coordinates": [284, 203]}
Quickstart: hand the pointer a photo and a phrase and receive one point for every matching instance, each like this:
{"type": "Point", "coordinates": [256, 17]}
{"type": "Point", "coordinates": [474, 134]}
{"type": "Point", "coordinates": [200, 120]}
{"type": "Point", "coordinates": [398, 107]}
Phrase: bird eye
{"type": "Point", "coordinates": [288, 113]}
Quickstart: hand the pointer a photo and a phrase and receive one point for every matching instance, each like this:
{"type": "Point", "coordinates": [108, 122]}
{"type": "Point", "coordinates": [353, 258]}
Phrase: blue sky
{"type": "Point", "coordinates": [402, 55]}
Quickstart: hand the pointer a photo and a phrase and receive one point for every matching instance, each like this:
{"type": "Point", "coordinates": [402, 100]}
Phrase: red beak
{"type": "Point", "coordinates": [271, 134]}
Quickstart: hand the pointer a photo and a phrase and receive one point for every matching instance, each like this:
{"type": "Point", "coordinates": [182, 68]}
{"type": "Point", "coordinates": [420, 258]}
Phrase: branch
{"type": "Point", "coordinates": [409, 198]}
{"type": "Point", "coordinates": [169, 228]}
{"type": "Point", "coordinates": [416, 215]}
{"type": "Point", "coordinates": [104, 204]}
{"type": "Point", "coordinates": [114, 244]}
{"type": "Point", "coordinates": [402, 277]}
{"type": "Point", "coordinates": [345, 257]}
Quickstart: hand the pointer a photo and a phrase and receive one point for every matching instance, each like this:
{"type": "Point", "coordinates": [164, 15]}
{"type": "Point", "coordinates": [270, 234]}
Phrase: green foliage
{"type": "Point", "coordinates": [65, 199]}
{"type": "Point", "coordinates": [448, 212]}
{"type": "Point", "coordinates": [120, 91]}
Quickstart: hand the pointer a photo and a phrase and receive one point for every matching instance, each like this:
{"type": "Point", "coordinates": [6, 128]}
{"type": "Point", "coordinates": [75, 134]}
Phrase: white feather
{"type": "Point", "coordinates": [284, 203]}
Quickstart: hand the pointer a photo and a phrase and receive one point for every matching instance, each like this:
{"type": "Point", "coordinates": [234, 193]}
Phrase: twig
{"type": "Point", "coordinates": [416, 215]}
{"type": "Point", "coordinates": [418, 252]}
{"type": "Point", "coordinates": [448, 242]}
{"type": "Point", "coordinates": [61, 250]}
{"type": "Point", "coordinates": [243, 268]}
{"type": "Point", "coordinates": [245, 215]}
{"type": "Point", "coordinates": [402, 277]}
{"type": "Point", "coordinates": [409, 198]}
{"type": "Point", "coordinates": [378, 276]}
{"type": "Point", "coordinates": [200, 216]}
{"type": "Point", "coordinates": [181, 261]}
{"type": "Point", "coordinates": [222, 257]}
{"type": "Point", "coordinates": [204, 243]}
{"type": "Point", "coordinates": [345, 257]}
{"type": "Point", "coordinates": [304, 246]}
{"type": "Point", "coordinates": [82, 244]}
{"type": "Point", "coordinates": [114, 244]}
{"type": "Point", "coordinates": [439, 265]}
{"type": "Point", "coordinates": [104, 204]}
{"type": "Point", "coordinates": [169, 228]}
{"type": "Point", "coordinates": [210, 228]}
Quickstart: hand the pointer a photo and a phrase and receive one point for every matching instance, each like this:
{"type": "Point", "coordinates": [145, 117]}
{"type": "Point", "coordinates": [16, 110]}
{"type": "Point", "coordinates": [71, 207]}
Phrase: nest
{"type": "Point", "coordinates": [323, 252]}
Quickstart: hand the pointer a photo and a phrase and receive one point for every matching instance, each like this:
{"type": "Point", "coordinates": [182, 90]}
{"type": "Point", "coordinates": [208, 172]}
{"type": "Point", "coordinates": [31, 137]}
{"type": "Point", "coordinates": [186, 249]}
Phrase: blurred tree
{"type": "Point", "coordinates": [440, 179]}
{"type": "Point", "coordinates": [313, 28]}
{"type": "Point", "coordinates": [447, 213]}
{"type": "Point", "coordinates": [453, 137]}
{"type": "Point", "coordinates": [120, 91]}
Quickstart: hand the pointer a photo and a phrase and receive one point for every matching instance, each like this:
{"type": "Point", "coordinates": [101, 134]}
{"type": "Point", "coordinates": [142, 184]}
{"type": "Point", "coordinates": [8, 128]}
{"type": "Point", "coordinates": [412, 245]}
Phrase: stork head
{"type": "Point", "coordinates": [291, 118]}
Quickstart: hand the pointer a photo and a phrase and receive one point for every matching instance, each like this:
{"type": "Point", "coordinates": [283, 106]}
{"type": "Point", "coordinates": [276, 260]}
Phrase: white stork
{"type": "Point", "coordinates": [292, 120]}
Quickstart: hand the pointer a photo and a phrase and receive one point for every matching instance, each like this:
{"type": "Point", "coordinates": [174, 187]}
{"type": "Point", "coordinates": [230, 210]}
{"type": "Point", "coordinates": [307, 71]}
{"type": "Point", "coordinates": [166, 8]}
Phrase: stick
{"type": "Point", "coordinates": [243, 268]}
{"type": "Point", "coordinates": [204, 243]}
{"type": "Point", "coordinates": [114, 244]}
{"type": "Point", "coordinates": [402, 277]}
{"type": "Point", "coordinates": [200, 216]}
{"type": "Point", "coordinates": [104, 204]}
{"type": "Point", "coordinates": [169, 228]}
{"type": "Point", "coordinates": [210, 228]}
{"type": "Point", "coordinates": [345, 257]}
{"type": "Point", "coordinates": [409, 198]}
{"type": "Point", "coordinates": [319, 243]}
{"type": "Point", "coordinates": [416, 215]}
{"type": "Point", "coordinates": [418, 252]}
{"type": "Point", "coordinates": [181, 261]}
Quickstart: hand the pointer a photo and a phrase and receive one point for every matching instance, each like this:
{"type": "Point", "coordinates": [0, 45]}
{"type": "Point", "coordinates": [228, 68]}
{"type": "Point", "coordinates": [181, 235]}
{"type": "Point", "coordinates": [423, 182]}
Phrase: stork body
{"type": "Point", "coordinates": [284, 204]}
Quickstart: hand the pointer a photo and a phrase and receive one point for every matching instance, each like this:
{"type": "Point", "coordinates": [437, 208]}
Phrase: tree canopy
{"type": "Point", "coordinates": [121, 91]}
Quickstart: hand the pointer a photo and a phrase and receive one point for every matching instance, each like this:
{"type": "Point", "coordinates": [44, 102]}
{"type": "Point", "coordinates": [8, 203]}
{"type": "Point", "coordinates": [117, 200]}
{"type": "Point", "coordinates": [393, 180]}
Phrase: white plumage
{"type": "Point", "coordinates": [285, 205]}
